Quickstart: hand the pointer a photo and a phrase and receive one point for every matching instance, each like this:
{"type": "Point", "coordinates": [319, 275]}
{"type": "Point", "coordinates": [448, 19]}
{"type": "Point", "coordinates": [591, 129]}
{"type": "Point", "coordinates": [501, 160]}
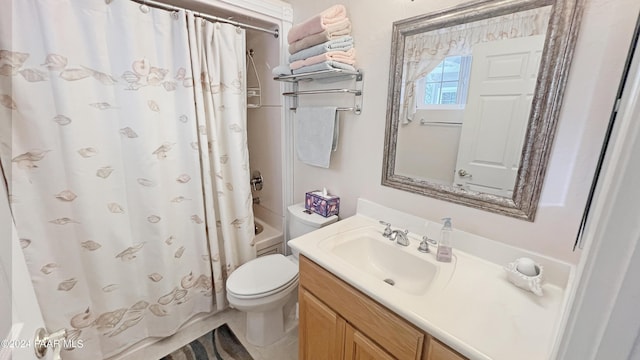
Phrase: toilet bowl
{"type": "Point", "coordinates": [264, 286]}
{"type": "Point", "coordinates": [261, 288]}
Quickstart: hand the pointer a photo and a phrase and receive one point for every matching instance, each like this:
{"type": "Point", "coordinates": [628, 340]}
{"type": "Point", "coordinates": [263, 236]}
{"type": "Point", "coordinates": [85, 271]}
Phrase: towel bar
{"type": "Point", "coordinates": [355, 109]}
{"type": "Point", "coordinates": [325, 74]}
{"type": "Point", "coordinates": [428, 122]}
{"type": "Point", "coordinates": [326, 91]}
{"type": "Point", "coordinates": [320, 74]}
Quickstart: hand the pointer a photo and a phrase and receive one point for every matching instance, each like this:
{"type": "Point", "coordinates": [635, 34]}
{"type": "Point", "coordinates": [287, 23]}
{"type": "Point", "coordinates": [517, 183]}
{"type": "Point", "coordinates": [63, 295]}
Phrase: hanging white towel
{"type": "Point", "coordinates": [316, 134]}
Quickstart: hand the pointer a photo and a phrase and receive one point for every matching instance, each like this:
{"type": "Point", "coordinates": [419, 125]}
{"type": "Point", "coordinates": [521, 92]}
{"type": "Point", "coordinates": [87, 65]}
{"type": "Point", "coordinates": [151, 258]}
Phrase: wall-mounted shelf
{"type": "Point", "coordinates": [337, 74]}
{"type": "Point", "coordinates": [322, 74]}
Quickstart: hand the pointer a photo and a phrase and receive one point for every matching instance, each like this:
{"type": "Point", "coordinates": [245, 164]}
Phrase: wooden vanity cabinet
{"type": "Point", "coordinates": [339, 322]}
{"type": "Point", "coordinates": [323, 330]}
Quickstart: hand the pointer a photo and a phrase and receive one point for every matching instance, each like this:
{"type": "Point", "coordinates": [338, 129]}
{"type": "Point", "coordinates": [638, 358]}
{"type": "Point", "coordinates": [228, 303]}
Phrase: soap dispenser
{"type": "Point", "coordinates": [445, 252]}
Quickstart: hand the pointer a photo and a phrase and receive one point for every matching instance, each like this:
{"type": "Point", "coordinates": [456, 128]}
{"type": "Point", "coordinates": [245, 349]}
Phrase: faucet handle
{"type": "Point", "coordinates": [387, 230]}
{"type": "Point", "coordinates": [430, 241]}
{"type": "Point", "coordinates": [424, 244]}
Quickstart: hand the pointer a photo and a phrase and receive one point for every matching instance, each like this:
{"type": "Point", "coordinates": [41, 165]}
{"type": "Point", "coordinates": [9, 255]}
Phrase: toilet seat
{"type": "Point", "coordinates": [262, 277]}
{"type": "Point", "coordinates": [293, 282]}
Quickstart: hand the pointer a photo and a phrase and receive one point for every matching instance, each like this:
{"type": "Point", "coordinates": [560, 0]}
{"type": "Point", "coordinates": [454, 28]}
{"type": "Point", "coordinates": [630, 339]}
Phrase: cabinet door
{"type": "Point", "coordinates": [438, 351]}
{"type": "Point", "coordinates": [360, 347]}
{"type": "Point", "coordinates": [321, 330]}
{"type": "Point", "coordinates": [399, 338]}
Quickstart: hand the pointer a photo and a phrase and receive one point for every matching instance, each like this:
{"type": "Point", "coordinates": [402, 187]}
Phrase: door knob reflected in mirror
{"type": "Point", "coordinates": [463, 173]}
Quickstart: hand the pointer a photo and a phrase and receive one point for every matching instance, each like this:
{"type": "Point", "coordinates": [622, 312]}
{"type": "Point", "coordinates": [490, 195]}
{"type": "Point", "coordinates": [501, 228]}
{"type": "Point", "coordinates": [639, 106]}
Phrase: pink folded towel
{"type": "Point", "coordinates": [317, 23]}
{"type": "Point", "coordinates": [333, 31]}
{"type": "Point", "coordinates": [345, 57]}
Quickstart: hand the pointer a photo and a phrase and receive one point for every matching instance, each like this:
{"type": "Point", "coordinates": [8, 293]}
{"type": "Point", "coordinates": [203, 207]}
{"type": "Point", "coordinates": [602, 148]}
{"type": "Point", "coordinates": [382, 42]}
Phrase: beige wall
{"type": "Point", "coordinates": [356, 168]}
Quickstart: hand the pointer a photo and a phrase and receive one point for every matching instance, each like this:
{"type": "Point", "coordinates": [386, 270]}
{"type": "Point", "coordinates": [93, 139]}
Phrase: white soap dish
{"type": "Point", "coordinates": [525, 274]}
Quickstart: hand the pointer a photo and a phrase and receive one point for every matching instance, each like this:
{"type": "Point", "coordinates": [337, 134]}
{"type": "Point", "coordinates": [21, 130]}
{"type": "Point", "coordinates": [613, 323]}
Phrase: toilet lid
{"type": "Point", "coordinates": [262, 275]}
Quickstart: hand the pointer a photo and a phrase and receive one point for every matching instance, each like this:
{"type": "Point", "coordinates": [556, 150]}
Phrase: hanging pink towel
{"type": "Point", "coordinates": [317, 23]}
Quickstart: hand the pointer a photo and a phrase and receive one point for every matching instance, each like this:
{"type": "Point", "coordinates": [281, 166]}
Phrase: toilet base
{"type": "Point", "coordinates": [265, 316]}
{"type": "Point", "coordinates": [265, 328]}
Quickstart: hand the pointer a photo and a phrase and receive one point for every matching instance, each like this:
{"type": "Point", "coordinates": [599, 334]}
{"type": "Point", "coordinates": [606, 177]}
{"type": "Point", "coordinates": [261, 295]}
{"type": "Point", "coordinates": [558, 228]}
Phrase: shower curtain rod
{"type": "Point", "coordinates": [156, 4]}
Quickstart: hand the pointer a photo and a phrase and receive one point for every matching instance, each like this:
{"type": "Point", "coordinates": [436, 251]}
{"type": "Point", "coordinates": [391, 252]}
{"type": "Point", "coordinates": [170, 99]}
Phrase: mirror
{"type": "Point", "coordinates": [474, 96]}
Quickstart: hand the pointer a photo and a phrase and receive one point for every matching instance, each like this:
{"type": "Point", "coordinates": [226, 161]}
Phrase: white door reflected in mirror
{"type": "Point", "coordinates": [502, 81]}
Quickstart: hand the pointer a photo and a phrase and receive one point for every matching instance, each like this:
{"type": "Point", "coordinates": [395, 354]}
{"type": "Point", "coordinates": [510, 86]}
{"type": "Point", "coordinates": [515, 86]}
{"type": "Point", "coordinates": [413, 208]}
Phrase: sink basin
{"type": "Point", "coordinates": [368, 251]}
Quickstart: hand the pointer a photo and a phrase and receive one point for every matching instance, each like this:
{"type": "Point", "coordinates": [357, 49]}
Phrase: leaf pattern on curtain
{"type": "Point", "coordinates": [106, 185]}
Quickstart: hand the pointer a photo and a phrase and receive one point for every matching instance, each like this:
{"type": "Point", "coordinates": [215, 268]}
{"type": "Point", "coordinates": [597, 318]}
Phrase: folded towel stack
{"type": "Point", "coordinates": [345, 57]}
{"type": "Point", "coordinates": [322, 42]}
{"type": "Point", "coordinates": [280, 70]}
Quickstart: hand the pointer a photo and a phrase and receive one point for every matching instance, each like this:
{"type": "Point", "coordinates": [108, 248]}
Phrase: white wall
{"type": "Point", "coordinates": [428, 151]}
{"type": "Point", "coordinates": [264, 127]}
{"type": "Point", "coordinates": [595, 74]}
{"type": "Point", "coordinates": [604, 322]}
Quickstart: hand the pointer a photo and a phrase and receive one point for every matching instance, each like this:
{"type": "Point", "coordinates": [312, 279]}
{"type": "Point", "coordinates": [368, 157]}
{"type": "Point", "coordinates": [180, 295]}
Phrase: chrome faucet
{"type": "Point", "coordinates": [400, 237]}
{"type": "Point", "coordinates": [395, 235]}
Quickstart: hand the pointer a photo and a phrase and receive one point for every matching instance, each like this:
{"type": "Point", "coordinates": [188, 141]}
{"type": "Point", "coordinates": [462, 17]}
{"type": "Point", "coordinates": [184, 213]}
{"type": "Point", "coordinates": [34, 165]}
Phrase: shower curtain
{"type": "Point", "coordinates": [109, 157]}
{"type": "Point", "coordinates": [218, 56]}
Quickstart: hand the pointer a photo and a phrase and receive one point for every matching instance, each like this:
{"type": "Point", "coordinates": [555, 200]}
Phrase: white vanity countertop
{"type": "Point", "coordinates": [476, 311]}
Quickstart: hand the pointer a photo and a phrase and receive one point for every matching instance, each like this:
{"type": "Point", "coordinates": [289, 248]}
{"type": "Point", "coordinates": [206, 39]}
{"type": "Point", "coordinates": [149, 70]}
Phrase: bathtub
{"type": "Point", "coordinates": [269, 240]}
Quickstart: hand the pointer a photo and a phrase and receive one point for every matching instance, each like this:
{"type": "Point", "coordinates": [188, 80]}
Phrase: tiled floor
{"type": "Point", "coordinates": [284, 349]}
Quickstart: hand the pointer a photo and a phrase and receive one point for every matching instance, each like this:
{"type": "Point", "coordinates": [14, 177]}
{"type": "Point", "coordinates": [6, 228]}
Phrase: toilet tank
{"type": "Point", "coordinates": [300, 221]}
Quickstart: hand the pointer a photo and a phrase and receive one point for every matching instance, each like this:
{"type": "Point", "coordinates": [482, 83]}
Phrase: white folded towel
{"type": "Point", "coordinates": [282, 69]}
{"type": "Point", "coordinates": [325, 65]}
{"type": "Point", "coordinates": [316, 134]}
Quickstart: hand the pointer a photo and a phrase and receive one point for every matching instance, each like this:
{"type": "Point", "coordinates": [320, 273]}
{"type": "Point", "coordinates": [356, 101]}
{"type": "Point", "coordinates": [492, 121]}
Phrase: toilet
{"type": "Point", "coordinates": [263, 286]}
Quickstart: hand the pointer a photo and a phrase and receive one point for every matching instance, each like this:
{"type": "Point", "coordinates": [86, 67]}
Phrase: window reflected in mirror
{"type": "Point", "coordinates": [445, 87]}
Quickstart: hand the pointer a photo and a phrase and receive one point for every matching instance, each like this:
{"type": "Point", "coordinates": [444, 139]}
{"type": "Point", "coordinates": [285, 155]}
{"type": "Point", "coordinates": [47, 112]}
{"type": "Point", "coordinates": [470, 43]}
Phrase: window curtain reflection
{"type": "Point", "coordinates": [424, 51]}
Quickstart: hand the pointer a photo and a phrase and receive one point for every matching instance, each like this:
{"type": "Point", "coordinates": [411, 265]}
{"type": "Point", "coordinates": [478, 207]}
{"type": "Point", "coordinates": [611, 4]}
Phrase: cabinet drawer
{"type": "Point", "coordinates": [399, 338]}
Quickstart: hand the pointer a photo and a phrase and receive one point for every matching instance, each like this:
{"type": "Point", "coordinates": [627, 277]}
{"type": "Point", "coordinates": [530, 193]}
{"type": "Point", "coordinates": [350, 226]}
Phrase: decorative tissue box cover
{"type": "Point", "coordinates": [324, 205]}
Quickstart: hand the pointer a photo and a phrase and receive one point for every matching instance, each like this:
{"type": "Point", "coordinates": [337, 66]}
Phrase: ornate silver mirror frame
{"type": "Point", "coordinates": [547, 98]}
